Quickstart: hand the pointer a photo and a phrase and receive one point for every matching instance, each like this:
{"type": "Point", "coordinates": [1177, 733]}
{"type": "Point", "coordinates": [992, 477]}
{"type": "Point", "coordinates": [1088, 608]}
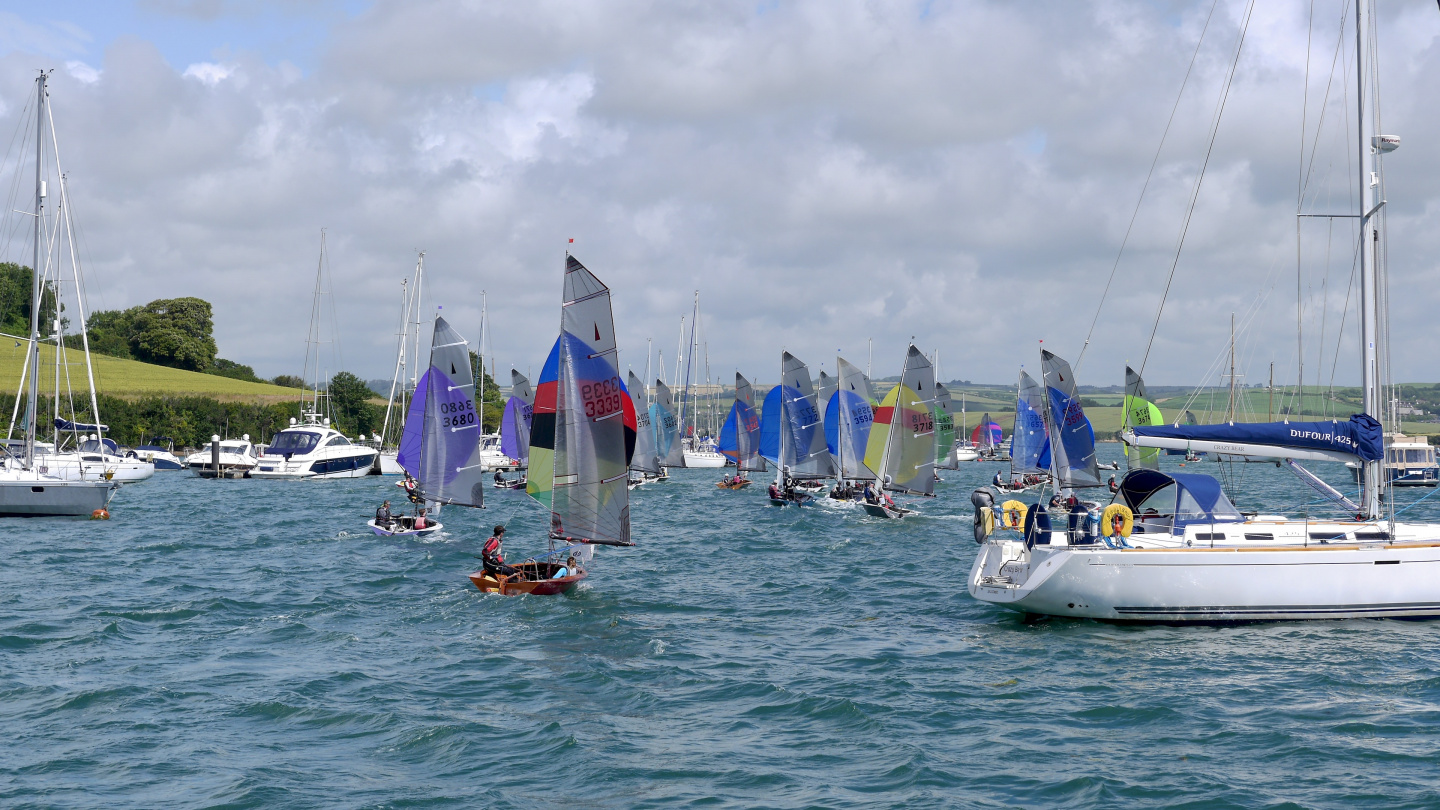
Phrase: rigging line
{"type": "Point", "coordinates": [1325, 101]}
{"type": "Point", "coordinates": [1344, 313]}
{"type": "Point", "coordinates": [1145, 186]}
{"type": "Point", "coordinates": [1200, 179]}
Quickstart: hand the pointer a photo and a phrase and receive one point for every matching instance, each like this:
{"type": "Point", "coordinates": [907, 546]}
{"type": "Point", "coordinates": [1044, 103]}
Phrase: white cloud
{"type": "Point", "coordinates": [825, 172]}
{"type": "Point", "coordinates": [82, 71]}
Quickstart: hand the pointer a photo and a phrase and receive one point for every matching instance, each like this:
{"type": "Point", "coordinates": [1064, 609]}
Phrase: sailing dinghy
{"type": "Point", "coordinates": [644, 462]}
{"type": "Point", "coordinates": [515, 427]}
{"type": "Point", "coordinates": [440, 448]}
{"type": "Point", "coordinates": [848, 418]}
{"type": "Point", "coordinates": [740, 436]}
{"type": "Point", "coordinates": [792, 436]}
{"type": "Point", "coordinates": [901, 446]}
{"type": "Point", "coordinates": [582, 438]}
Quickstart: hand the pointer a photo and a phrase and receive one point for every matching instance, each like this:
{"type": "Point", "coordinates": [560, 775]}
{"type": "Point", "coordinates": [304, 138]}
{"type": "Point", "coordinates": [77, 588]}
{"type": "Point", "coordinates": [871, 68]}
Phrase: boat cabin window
{"type": "Point", "coordinates": [1154, 515]}
{"type": "Point", "coordinates": [293, 442]}
{"type": "Point", "coordinates": [337, 440]}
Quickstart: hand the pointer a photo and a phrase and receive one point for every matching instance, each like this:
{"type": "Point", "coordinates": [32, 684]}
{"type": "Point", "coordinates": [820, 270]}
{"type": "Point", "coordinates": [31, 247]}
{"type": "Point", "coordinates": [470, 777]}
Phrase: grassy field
{"type": "Point", "coordinates": [131, 378]}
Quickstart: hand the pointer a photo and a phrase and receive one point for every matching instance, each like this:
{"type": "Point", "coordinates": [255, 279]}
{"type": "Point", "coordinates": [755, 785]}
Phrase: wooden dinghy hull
{"type": "Point", "coordinates": [397, 531]}
{"type": "Point", "coordinates": [516, 586]}
{"type": "Point", "coordinates": [728, 485]}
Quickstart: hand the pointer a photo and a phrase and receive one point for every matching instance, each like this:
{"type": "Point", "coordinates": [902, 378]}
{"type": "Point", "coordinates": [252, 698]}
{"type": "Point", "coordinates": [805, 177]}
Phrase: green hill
{"type": "Point", "coordinates": [131, 378]}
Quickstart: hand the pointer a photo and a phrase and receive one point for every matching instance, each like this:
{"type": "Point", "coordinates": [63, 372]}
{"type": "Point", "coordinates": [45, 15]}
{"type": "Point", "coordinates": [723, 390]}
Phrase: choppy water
{"type": "Point", "coordinates": [249, 644]}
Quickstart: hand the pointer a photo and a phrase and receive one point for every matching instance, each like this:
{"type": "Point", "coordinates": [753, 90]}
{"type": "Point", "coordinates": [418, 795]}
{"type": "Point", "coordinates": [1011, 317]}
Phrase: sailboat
{"type": "Point", "coordinates": [945, 457]}
{"type": "Point", "coordinates": [1176, 557]}
{"type": "Point", "coordinates": [964, 448]}
{"type": "Point", "coordinates": [667, 429]}
{"type": "Point", "coordinates": [697, 449]}
{"type": "Point", "coordinates": [439, 446]}
{"type": "Point", "coordinates": [987, 438]}
{"type": "Point", "coordinates": [825, 385]}
{"type": "Point", "coordinates": [581, 441]}
{"type": "Point", "coordinates": [515, 426]}
{"type": "Point", "coordinates": [1139, 412]}
{"type": "Point", "coordinates": [791, 434]}
{"type": "Point", "coordinates": [26, 488]}
{"type": "Point", "coordinates": [901, 446]}
{"type": "Point", "coordinates": [848, 420]}
{"type": "Point", "coordinates": [407, 359]}
{"type": "Point", "coordinates": [740, 436]}
{"type": "Point", "coordinates": [1029, 440]}
{"type": "Point", "coordinates": [645, 461]}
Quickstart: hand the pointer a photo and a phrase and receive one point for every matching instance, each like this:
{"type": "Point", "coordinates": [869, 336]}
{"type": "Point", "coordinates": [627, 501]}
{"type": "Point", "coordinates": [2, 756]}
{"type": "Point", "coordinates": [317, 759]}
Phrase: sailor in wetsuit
{"type": "Point", "coordinates": [383, 518]}
{"type": "Point", "coordinates": [492, 555]}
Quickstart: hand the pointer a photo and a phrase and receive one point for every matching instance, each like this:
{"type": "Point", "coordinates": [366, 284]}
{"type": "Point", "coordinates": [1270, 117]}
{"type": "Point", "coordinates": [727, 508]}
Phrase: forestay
{"type": "Point", "coordinates": [1073, 447]}
{"type": "Point", "coordinates": [448, 468]}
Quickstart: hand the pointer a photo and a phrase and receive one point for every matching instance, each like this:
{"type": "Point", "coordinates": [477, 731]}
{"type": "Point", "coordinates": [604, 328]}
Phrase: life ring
{"type": "Point", "coordinates": [1117, 519]}
{"type": "Point", "coordinates": [1012, 514]}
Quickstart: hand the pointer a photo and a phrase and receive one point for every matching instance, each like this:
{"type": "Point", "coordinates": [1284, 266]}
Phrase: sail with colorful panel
{"type": "Point", "coordinates": [848, 418]}
{"type": "Point", "coordinates": [1072, 443]}
{"type": "Point", "coordinates": [945, 456]}
{"type": "Point", "coordinates": [644, 460]}
{"type": "Point", "coordinates": [584, 422]}
{"type": "Point", "coordinates": [740, 435]}
{"type": "Point", "coordinates": [515, 422]}
{"type": "Point", "coordinates": [668, 444]}
{"type": "Point", "coordinates": [441, 448]}
{"type": "Point", "coordinates": [901, 447]}
{"type": "Point", "coordinates": [1029, 441]}
{"type": "Point", "coordinates": [1140, 412]}
{"type": "Point", "coordinates": [987, 436]}
{"type": "Point", "coordinates": [792, 436]}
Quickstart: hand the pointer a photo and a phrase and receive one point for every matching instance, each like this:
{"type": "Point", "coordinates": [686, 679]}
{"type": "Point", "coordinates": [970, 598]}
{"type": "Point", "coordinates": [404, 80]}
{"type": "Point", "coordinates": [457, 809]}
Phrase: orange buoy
{"type": "Point", "coordinates": [99, 514]}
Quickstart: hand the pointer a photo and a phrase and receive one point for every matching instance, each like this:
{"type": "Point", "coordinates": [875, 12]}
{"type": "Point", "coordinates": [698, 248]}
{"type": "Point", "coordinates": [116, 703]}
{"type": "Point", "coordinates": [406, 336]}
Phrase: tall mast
{"type": "Point", "coordinates": [1230, 404]}
{"type": "Point", "coordinates": [395, 380]}
{"type": "Point", "coordinates": [31, 395]}
{"type": "Point", "coordinates": [484, 310]}
{"type": "Point", "coordinates": [1369, 202]}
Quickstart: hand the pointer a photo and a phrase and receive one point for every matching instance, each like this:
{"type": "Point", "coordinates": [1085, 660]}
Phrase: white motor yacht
{"type": "Point", "coordinates": [313, 449]}
{"type": "Point", "coordinates": [237, 458]}
{"type": "Point", "coordinates": [162, 456]}
{"type": "Point", "coordinates": [1409, 462]}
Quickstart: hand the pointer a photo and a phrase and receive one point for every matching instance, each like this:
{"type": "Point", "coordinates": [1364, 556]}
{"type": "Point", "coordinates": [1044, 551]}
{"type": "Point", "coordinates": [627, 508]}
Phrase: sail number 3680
{"type": "Point", "coordinates": [457, 414]}
{"type": "Point", "coordinates": [602, 398]}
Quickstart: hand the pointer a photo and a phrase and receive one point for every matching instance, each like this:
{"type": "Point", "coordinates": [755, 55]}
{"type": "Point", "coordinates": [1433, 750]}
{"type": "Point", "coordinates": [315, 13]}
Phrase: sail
{"type": "Point", "coordinates": [594, 420]}
{"type": "Point", "coordinates": [944, 429]}
{"type": "Point", "coordinates": [987, 435]}
{"type": "Point", "coordinates": [848, 417]}
{"type": "Point", "coordinates": [540, 483]}
{"type": "Point", "coordinates": [645, 459]}
{"type": "Point", "coordinates": [1029, 443]}
{"type": "Point", "coordinates": [448, 469]}
{"type": "Point", "coordinates": [1139, 412]}
{"type": "Point", "coordinates": [515, 422]}
{"type": "Point", "coordinates": [667, 428]}
{"type": "Point", "coordinates": [740, 435]}
{"type": "Point", "coordinates": [902, 441]}
{"type": "Point", "coordinates": [1074, 441]}
{"type": "Point", "coordinates": [807, 457]}
{"type": "Point", "coordinates": [825, 385]}
{"type": "Point", "coordinates": [410, 438]}
{"type": "Point", "coordinates": [1360, 437]}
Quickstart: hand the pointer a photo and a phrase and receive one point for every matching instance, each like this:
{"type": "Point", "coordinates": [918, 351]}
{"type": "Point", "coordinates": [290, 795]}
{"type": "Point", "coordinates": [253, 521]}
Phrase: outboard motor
{"type": "Point", "coordinates": [1037, 526]}
{"type": "Point", "coordinates": [982, 499]}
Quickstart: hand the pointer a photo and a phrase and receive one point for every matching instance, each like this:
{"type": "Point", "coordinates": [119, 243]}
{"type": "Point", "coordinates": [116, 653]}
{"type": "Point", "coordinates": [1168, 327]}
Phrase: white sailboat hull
{"type": "Point", "coordinates": [1178, 585]}
{"type": "Point", "coordinates": [967, 454]}
{"type": "Point", "coordinates": [390, 463]}
{"type": "Point", "coordinates": [91, 467]}
{"type": "Point", "coordinates": [25, 494]}
{"type": "Point", "coordinates": [703, 459]}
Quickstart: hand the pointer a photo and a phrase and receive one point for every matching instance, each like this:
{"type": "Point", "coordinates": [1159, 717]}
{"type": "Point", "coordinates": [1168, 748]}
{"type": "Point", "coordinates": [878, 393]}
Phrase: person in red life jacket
{"type": "Point", "coordinates": [775, 493]}
{"type": "Point", "coordinates": [492, 555]}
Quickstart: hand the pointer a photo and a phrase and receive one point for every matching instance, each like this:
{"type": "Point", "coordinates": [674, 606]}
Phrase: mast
{"type": "Point", "coordinates": [1369, 203]}
{"type": "Point", "coordinates": [395, 379]}
{"type": "Point", "coordinates": [1230, 405]}
{"type": "Point", "coordinates": [783, 428]}
{"type": "Point", "coordinates": [79, 298]}
{"type": "Point", "coordinates": [685, 406]}
{"type": "Point", "coordinates": [34, 380]}
{"type": "Point", "coordinates": [480, 384]}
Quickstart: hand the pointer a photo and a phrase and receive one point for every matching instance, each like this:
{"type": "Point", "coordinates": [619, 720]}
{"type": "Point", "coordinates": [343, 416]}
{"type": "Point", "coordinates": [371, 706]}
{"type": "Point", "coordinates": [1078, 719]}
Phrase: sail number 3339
{"type": "Point", "coordinates": [602, 398]}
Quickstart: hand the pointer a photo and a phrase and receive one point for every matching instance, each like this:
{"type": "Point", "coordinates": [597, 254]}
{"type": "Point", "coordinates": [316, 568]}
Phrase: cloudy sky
{"type": "Point", "coordinates": [824, 173]}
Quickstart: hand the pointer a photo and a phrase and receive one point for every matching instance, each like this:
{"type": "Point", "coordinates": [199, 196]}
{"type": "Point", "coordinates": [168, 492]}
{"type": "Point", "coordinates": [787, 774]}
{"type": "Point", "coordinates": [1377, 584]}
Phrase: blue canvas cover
{"type": "Point", "coordinates": [1361, 436]}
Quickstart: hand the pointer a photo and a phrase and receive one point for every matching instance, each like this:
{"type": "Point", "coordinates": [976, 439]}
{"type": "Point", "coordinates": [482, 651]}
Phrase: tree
{"type": "Point", "coordinates": [349, 399]}
{"type": "Point", "coordinates": [15, 281]}
{"type": "Point", "coordinates": [234, 370]}
{"type": "Point", "coordinates": [175, 332]}
{"type": "Point", "coordinates": [288, 381]}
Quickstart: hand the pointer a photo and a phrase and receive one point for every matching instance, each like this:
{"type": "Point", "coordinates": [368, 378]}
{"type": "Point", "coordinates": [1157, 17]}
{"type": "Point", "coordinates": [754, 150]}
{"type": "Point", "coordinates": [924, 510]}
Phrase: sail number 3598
{"type": "Point", "coordinates": [602, 398]}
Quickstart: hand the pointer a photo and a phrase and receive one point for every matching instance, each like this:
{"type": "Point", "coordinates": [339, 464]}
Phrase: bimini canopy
{"type": "Point", "coordinates": [1164, 501]}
